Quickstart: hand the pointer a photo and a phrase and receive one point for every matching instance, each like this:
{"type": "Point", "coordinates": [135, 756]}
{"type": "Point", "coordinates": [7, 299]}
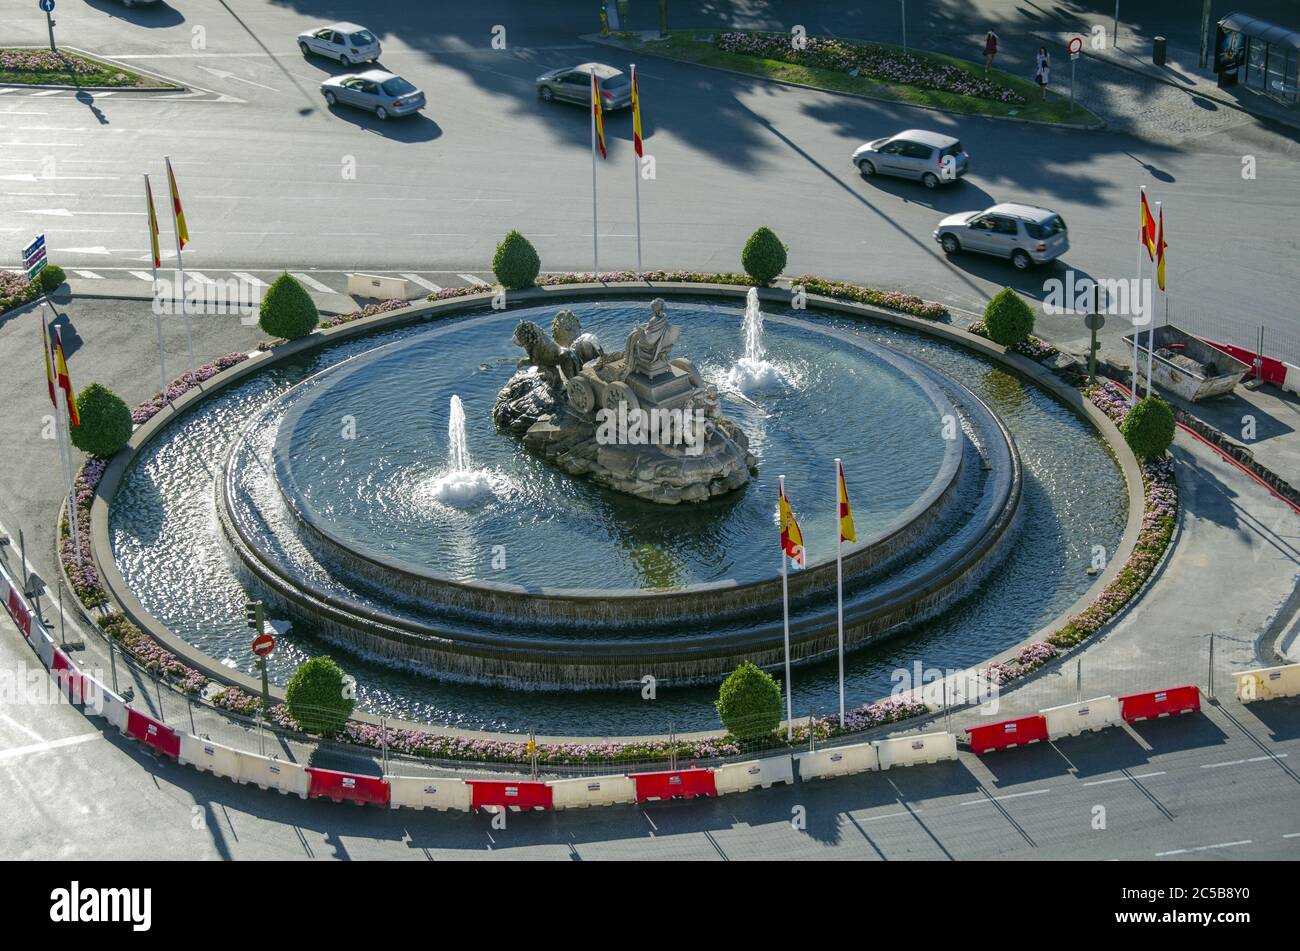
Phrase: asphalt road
{"type": "Point", "coordinates": [268, 187]}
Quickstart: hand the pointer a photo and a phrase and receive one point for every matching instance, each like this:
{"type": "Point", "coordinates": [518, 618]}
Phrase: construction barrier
{"type": "Point", "coordinates": [510, 794]}
{"type": "Point", "coordinates": [153, 733]}
{"type": "Point", "coordinates": [1268, 683]}
{"type": "Point", "coordinates": [911, 750]}
{"type": "Point", "coordinates": [115, 709]}
{"type": "Point", "coordinates": [378, 287]}
{"type": "Point", "coordinates": [270, 772]}
{"type": "Point", "coordinates": [43, 646]}
{"type": "Point", "coordinates": [209, 757]}
{"type": "Point", "coordinates": [1071, 719]}
{"type": "Point", "coordinates": [17, 607]}
{"type": "Point", "coordinates": [740, 777]}
{"type": "Point", "coordinates": [425, 792]}
{"type": "Point", "coordinates": [1292, 381]}
{"type": "Point", "coordinates": [1160, 703]}
{"type": "Point", "coordinates": [347, 787]}
{"type": "Point", "coordinates": [69, 678]}
{"type": "Point", "coordinates": [1266, 368]}
{"type": "Point", "coordinates": [1005, 734]}
{"type": "Point", "coordinates": [838, 761]}
{"type": "Point", "coordinates": [674, 784]}
{"type": "Point", "coordinates": [592, 791]}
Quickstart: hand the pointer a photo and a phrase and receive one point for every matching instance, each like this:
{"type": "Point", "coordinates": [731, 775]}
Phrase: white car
{"type": "Point", "coordinates": [346, 42]}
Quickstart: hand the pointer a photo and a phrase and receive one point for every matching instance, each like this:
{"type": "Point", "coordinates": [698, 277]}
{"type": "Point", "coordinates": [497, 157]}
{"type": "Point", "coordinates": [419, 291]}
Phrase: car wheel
{"type": "Point", "coordinates": [950, 244]}
{"type": "Point", "coordinates": [329, 99]}
{"type": "Point", "coordinates": [381, 112]}
{"type": "Point", "coordinates": [305, 50]}
{"type": "Point", "coordinates": [930, 180]}
{"type": "Point", "coordinates": [1020, 260]}
{"type": "Point", "coordinates": [546, 94]}
{"type": "Point", "coordinates": [343, 58]}
{"type": "Point", "coordinates": [866, 168]}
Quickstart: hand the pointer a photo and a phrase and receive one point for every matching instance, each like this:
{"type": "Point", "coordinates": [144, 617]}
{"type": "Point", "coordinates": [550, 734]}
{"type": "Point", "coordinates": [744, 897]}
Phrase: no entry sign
{"type": "Point", "coordinates": [263, 644]}
{"type": "Point", "coordinates": [1075, 46]}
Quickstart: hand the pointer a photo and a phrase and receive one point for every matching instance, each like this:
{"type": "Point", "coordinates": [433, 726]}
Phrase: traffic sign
{"type": "Point", "coordinates": [263, 644]}
{"type": "Point", "coordinates": [47, 6]}
{"type": "Point", "coordinates": [34, 257]}
{"type": "Point", "coordinates": [1094, 321]}
{"type": "Point", "coordinates": [1075, 46]}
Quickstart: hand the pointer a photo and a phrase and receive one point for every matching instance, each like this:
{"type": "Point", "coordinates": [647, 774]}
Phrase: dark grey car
{"type": "Point", "coordinates": [573, 84]}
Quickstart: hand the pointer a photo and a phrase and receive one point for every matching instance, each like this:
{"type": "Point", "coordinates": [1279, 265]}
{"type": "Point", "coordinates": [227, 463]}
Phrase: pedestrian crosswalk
{"type": "Point", "coordinates": [420, 283]}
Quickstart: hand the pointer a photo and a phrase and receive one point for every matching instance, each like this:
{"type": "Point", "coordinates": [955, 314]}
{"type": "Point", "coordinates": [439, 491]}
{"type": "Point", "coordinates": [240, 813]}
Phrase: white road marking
{"type": "Point", "coordinates": [1291, 835]}
{"type": "Point", "coordinates": [50, 745]}
{"type": "Point", "coordinates": [1239, 762]}
{"type": "Point", "coordinates": [1016, 795]}
{"type": "Point", "coordinates": [1121, 779]}
{"type": "Point", "coordinates": [888, 815]}
{"type": "Point", "coordinates": [97, 249]}
{"type": "Point", "coordinates": [471, 279]}
{"type": "Point", "coordinates": [1204, 848]}
{"type": "Point", "coordinates": [47, 92]}
{"type": "Point", "coordinates": [50, 212]}
{"type": "Point", "coordinates": [22, 727]}
{"type": "Point", "coordinates": [416, 279]}
{"type": "Point", "coordinates": [226, 74]}
{"type": "Point", "coordinates": [312, 282]}
{"type": "Point", "coordinates": [5, 91]}
{"type": "Point", "coordinates": [199, 276]}
{"type": "Point", "coordinates": [91, 275]}
{"type": "Point", "coordinates": [142, 275]}
{"type": "Point", "coordinates": [245, 276]}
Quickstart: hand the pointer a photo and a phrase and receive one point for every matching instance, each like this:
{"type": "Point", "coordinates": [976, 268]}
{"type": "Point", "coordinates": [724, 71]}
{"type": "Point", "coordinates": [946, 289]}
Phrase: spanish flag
{"type": "Point", "coordinates": [597, 115]}
{"type": "Point", "coordinates": [791, 537]}
{"type": "Point", "coordinates": [182, 232]}
{"type": "Point", "coordinates": [65, 381]}
{"type": "Point", "coordinates": [1148, 236]}
{"type": "Point", "coordinates": [847, 532]}
{"type": "Point", "coordinates": [49, 366]}
{"type": "Point", "coordinates": [636, 117]}
{"type": "Point", "coordinates": [153, 224]}
{"type": "Point", "coordinates": [1160, 252]}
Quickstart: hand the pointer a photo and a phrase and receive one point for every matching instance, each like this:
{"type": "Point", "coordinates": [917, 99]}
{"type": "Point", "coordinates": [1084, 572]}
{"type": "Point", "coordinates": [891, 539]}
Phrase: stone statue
{"type": "Point", "coordinates": [649, 344]}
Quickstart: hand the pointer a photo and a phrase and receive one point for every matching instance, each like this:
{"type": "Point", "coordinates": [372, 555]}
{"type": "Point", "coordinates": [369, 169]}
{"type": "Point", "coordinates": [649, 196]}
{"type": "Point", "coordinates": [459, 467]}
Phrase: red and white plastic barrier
{"type": "Point", "coordinates": [1266, 368]}
{"type": "Point", "coordinates": [913, 750]}
{"type": "Point", "coordinates": [512, 794]}
{"type": "Point", "coordinates": [1071, 719]}
{"type": "Point", "coordinates": [347, 787]}
{"type": "Point", "coordinates": [209, 757]}
{"type": "Point", "coordinates": [592, 791]}
{"type": "Point", "coordinates": [1006, 734]}
{"type": "Point", "coordinates": [742, 777]}
{"type": "Point", "coordinates": [674, 784]}
{"type": "Point", "coordinates": [271, 772]}
{"type": "Point", "coordinates": [429, 792]}
{"type": "Point", "coordinates": [1160, 703]}
{"type": "Point", "coordinates": [153, 733]}
{"type": "Point", "coordinates": [838, 761]}
{"type": "Point", "coordinates": [1268, 683]}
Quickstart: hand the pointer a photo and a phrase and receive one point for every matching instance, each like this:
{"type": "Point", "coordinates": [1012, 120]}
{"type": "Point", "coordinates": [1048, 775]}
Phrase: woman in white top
{"type": "Point", "coordinates": [1042, 71]}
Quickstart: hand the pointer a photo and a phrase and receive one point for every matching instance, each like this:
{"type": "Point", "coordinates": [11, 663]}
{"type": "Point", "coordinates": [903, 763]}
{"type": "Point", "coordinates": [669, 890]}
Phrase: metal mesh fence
{"type": "Point", "coordinates": [1240, 330]}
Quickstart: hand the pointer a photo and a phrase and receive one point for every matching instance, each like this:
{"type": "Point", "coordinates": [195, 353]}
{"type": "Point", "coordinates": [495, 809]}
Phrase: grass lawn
{"type": "Point", "coordinates": [40, 67]}
{"type": "Point", "coordinates": [696, 46]}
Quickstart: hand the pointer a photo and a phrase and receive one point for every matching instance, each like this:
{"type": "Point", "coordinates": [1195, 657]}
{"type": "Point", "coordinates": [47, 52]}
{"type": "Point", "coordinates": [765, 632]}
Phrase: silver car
{"type": "Point", "coordinates": [929, 157]}
{"type": "Point", "coordinates": [377, 90]}
{"type": "Point", "coordinates": [1022, 233]}
{"type": "Point", "coordinates": [573, 84]}
{"type": "Point", "coordinates": [346, 42]}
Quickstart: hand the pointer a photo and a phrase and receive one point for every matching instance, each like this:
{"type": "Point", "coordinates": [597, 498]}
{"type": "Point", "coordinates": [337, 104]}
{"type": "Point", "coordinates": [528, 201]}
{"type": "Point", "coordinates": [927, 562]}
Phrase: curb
{"type": "Point", "coordinates": [175, 86]}
{"type": "Point", "coordinates": [1093, 127]}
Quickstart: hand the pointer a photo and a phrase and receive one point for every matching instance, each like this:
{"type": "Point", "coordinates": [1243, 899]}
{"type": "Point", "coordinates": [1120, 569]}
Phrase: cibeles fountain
{"type": "Point", "coordinates": [640, 420]}
{"type": "Point", "coordinates": [447, 520]}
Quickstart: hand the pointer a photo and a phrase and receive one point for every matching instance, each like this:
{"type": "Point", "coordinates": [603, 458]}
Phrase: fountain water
{"type": "Point", "coordinates": [461, 484]}
{"type": "Point", "coordinates": [752, 371]}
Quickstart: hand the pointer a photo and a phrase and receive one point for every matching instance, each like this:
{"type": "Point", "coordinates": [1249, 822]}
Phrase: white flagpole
{"type": "Point", "coordinates": [785, 606]}
{"type": "Point", "coordinates": [595, 254]}
{"type": "Point", "coordinates": [839, 585]}
{"type": "Point", "coordinates": [63, 439]}
{"type": "Point", "coordinates": [636, 178]}
{"type": "Point", "coordinates": [157, 316]}
{"type": "Point", "coordinates": [180, 266]}
{"type": "Point", "coordinates": [1137, 332]}
{"type": "Point", "coordinates": [1151, 304]}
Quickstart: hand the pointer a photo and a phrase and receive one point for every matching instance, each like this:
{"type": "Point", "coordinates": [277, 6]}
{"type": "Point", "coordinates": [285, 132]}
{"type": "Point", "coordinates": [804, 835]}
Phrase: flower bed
{"type": "Point", "coordinates": [882, 63]}
{"type": "Point", "coordinates": [393, 303]}
{"type": "Point", "coordinates": [891, 300]}
{"type": "Point", "coordinates": [45, 67]}
{"type": "Point", "coordinates": [1033, 348]}
{"type": "Point", "coordinates": [16, 290]}
{"type": "Point", "coordinates": [182, 385]}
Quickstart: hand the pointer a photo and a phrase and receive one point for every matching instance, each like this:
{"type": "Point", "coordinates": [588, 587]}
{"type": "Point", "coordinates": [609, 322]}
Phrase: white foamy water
{"type": "Point", "coordinates": [752, 372]}
{"type": "Point", "coordinates": [461, 484]}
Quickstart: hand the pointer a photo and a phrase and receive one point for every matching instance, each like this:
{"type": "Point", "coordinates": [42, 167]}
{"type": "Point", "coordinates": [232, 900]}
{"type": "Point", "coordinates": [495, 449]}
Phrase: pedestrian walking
{"type": "Point", "coordinates": [1042, 71]}
{"type": "Point", "coordinates": [990, 49]}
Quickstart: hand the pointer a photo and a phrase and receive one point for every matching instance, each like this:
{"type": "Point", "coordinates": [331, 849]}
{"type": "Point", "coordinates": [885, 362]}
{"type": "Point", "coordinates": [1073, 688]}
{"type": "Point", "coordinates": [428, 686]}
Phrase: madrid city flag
{"type": "Point", "coordinates": [598, 115]}
{"type": "Point", "coordinates": [791, 537]}
{"type": "Point", "coordinates": [182, 232]}
{"type": "Point", "coordinates": [847, 532]}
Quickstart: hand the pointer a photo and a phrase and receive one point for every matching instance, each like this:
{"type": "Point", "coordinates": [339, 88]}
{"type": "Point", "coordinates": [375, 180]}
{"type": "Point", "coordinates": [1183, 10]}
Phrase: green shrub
{"type": "Point", "coordinates": [749, 703]}
{"type": "Point", "coordinates": [287, 310]}
{"type": "Point", "coordinates": [105, 422]}
{"type": "Point", "coordinates": [51, 276]}
{"type": "Point", "coordinates": [1008, 318]}
{"type": "Point", "coordinates": [1149, 428]}
{"type": "Point", "coordinates": [318, 696]}
{"type": "Point", "coordinates": [764, 256]}
{"type": "Point", "coordinates": [516, 263]}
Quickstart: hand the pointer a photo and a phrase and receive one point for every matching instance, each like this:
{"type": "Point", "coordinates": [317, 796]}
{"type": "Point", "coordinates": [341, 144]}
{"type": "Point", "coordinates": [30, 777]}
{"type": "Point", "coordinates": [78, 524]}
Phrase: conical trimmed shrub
{"type": "Point", "coordinates": [764, 256]}
{"type": "Point", "coordinates": [1149, 428]}
{"type": "Point", "coordinates": [105, 422]}
{"type": "Point", "coordinates": [516, 263]}
{"type": "Point", "coordinates": [1008, 318]}
{"type": "Point", "coordinates": [287, 310]}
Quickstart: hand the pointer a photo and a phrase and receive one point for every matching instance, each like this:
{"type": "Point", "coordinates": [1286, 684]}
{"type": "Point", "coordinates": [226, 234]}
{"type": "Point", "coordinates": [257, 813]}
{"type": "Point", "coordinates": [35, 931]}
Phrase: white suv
{"type": "Point", "coordinates": [1022, 233]}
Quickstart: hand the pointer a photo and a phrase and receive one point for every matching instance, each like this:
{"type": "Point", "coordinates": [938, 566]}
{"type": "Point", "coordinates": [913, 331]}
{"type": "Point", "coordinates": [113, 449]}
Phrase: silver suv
{"type": "Point", "coordinates": [929, 157]}
{"type": "Point", "coordinates": [1024, 234]}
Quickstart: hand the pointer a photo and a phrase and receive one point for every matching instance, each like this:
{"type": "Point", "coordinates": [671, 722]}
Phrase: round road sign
{"type": "Point", "coordinates": [263, 644]}
{"type": "Point", "coordinates": [1094, 321]}
{"type": "Point", "coordinates": [47, 6]}
{"type": "Point", "coordinates": [1075, 46]}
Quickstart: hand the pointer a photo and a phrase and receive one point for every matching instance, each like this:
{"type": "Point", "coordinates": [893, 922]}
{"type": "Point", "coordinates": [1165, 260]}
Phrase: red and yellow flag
{"type": "Point", "coordinates": [153, 224]}
{"type": "Point", "coordinates": [49, 366]}
{"type": "Point", "coordinates": [65, 381]}
{"type": "Point", "coordinates": [598, 115]}
{"type": "Point", "coordinates": [636, 116]}
{"type": "Point", "coordinates": [791, 537]}
{"type": "Point", "coordinates": [1148, 236]}
{"type": "Point", "coordinates": [847, 531]}
{"type": "Point", "coordinates": [182, 232]}
{"type": "Point", "coordinates": [1160, 252]}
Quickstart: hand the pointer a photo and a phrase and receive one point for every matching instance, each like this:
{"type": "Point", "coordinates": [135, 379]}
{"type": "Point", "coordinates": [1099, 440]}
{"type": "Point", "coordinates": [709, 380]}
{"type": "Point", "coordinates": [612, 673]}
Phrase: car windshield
{"type": "Point", "coordinates": [954, 149]}
{"type": "Point", "coordinates": [615, 83]}
{"type": "Point", "coordinates": [397, 86]}
{"type": "Point", "coordinates": [1045, 229]}
{"type": "Point", "coordinates": [361, 38]}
